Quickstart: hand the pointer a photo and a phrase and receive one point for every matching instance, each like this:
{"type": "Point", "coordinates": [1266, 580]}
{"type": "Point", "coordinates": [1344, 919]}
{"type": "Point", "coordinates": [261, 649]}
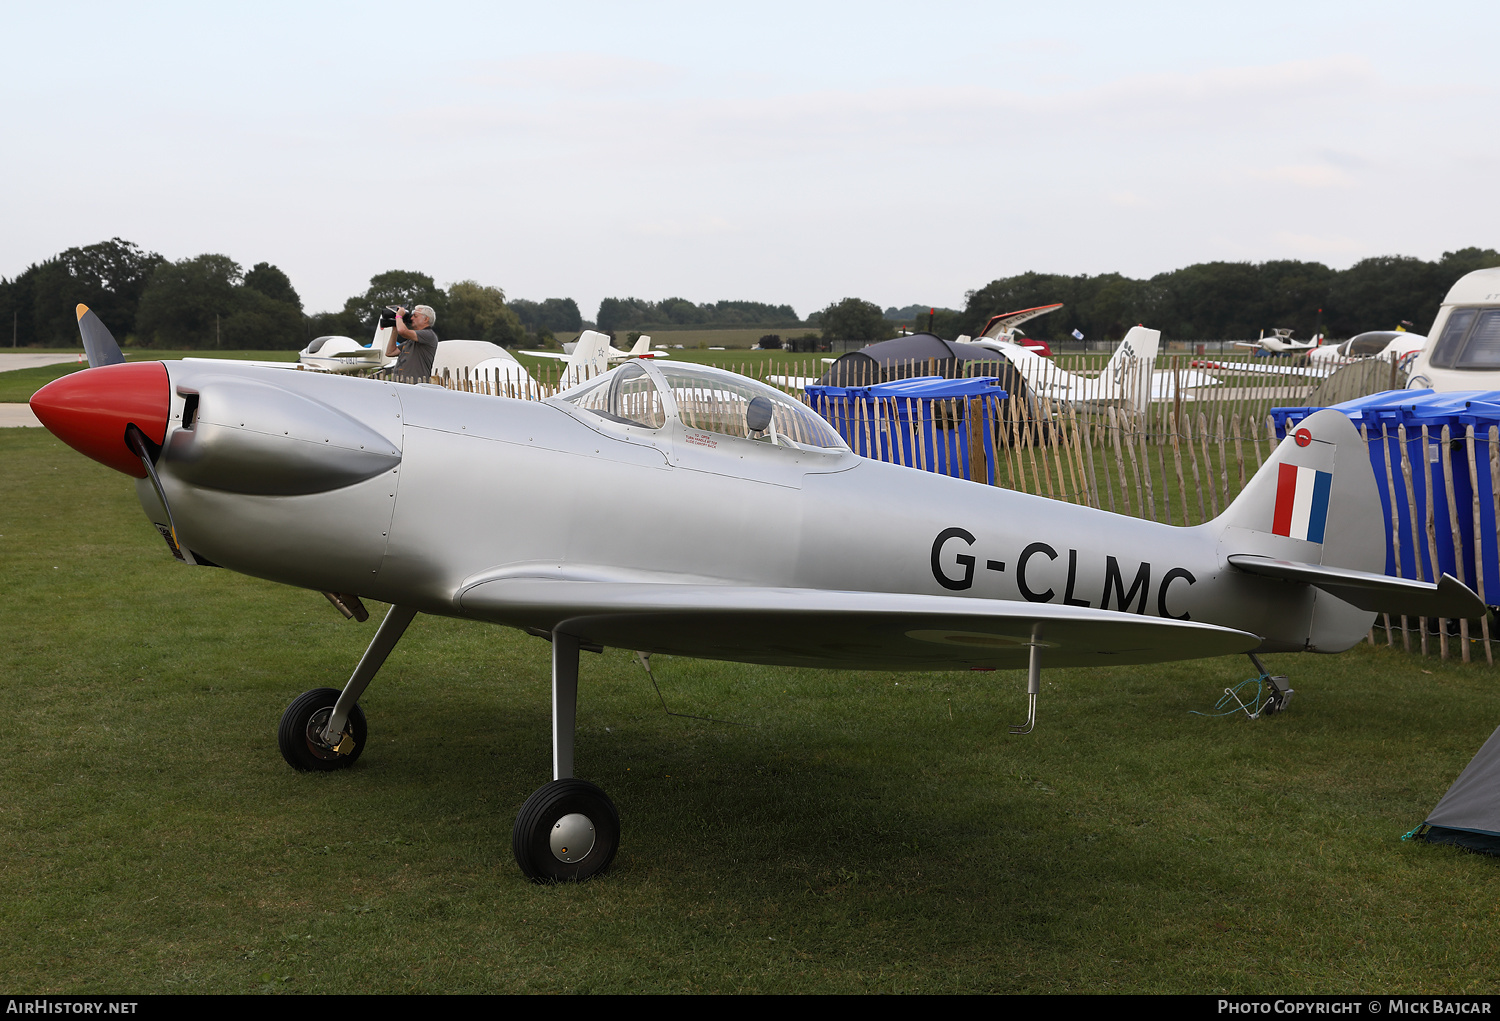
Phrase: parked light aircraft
{"type": "Point", "coordinates": [1005, 328]}
{"type": "Point", "coordinates": [363, 488]}
{"type": "Point", "coordinates": [1387, 345]}
{"type": "Point", "coordinates": [1129, 378]}
{"type": "Point", "coordinates": [345, 354]}
{"type": "Point", "coordinates": [1280, 342]}
{"type": "Point", "coordinates": [641, 349]}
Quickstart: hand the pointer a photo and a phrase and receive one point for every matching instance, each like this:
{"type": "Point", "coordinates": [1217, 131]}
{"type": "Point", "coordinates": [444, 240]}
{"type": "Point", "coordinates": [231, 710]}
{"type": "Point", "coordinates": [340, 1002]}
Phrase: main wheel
{"type": "Point", "coordinates": [301, 733]}
{"type": "Point", "coordinates": [567, 830]}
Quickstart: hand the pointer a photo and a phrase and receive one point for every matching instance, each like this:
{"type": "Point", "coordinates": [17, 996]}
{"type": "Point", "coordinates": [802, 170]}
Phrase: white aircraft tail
{"type": "Point", "coordinates": [1129, 368]}
{"type": "Point", "coordinates": [1312, 516]}
{"type": "Point", "coordinates": [642, 346]}
{"type": "Point", "coordinates": [590, 358]}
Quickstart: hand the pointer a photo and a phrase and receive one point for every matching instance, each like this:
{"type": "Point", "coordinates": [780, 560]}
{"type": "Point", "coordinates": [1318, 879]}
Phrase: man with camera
{"type": "Point", "coordinates": [415, 343]}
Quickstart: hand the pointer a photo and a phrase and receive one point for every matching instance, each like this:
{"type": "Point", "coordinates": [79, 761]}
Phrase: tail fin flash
{"type": "Point", "coordinates": [98, 343]}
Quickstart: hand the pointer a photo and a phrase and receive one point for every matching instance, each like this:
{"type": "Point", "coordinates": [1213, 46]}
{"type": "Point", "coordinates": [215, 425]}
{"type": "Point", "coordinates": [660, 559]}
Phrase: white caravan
{"type": "Point", "coordinates": [1464, 352]}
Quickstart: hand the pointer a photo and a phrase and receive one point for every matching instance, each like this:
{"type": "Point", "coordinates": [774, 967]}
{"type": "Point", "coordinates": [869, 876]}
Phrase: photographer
{"type": "Point", "coordinates": [415, 343]}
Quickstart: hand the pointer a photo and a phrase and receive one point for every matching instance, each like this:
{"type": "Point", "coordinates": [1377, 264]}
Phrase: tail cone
{"type": "Point", "coordinates": [90, 410]}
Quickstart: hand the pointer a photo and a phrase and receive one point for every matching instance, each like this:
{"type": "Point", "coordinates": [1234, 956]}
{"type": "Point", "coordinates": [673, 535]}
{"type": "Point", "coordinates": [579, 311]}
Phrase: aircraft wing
{"type": "Point", "coordinates": [264, 365]}
{"type": "Point", "coordinates": [1010, 320]}
{"type": "Point", "coordinates": [556, 356]}
{"type": "Point", "coordinates": [1250, 368]}
{"type": "Point", "coordinates": [1164, 383]}
{"type": "Point", "coordinates": [834, 629]}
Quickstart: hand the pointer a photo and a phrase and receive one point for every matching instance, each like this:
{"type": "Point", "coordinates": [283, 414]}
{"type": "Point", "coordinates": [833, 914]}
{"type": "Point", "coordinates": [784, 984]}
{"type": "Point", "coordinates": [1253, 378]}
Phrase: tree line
{"type": "Point", "coordinates": [211, 300]}
{"type": "Point", "coordinates": [636, 314]}
{"type": "Point", "coordinates": [1223, 300]}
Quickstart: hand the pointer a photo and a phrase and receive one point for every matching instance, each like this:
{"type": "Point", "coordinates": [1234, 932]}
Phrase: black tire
{"type": "Point", "coordinates": [307, 714]}
{"type": "Point", "coordinates": [531, 840]}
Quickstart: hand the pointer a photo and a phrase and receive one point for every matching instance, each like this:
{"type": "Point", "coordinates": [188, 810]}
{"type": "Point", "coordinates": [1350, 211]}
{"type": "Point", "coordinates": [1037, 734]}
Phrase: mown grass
{"type": "Point", "coordinates": [860, 831]}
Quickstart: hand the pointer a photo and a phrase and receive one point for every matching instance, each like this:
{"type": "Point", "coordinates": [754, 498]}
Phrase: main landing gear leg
{"type": "Point", "coordinates": [1033, 682]}
{"type": "Point", "coordinates": [568, 829]}
{"type": "Point", "coordinates": [324, 729]}
{"type": "Point", "coordinates": [1281, 692]}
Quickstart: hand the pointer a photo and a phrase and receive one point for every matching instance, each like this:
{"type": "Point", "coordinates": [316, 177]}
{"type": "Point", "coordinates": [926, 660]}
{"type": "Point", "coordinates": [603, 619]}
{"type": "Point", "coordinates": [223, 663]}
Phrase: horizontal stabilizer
{"type": "Point", "coordinates": [850, 630]}
{"type": "Point", "coordinates": [1378, 593]}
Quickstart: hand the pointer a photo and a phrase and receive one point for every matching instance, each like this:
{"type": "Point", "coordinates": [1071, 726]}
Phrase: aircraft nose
{"type": "Point", "coordinates": [90, 410]}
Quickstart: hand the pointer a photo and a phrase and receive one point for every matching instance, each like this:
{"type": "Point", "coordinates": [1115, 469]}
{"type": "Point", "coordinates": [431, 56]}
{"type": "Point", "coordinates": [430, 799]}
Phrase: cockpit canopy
{"type": "Point", "coordinates": [705, 398]}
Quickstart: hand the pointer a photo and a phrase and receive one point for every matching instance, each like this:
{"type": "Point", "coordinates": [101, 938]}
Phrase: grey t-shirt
{"type": "Point", "coordinates": [415, 361]}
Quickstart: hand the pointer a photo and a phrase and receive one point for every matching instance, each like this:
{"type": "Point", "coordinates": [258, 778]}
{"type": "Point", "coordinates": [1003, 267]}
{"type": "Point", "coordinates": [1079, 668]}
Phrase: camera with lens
{"type": "Point", "coordinates": [388, 316]}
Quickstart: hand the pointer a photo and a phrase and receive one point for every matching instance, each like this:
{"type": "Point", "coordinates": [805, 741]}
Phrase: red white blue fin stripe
{"type": "Point", "coordinates": [1302, 502]}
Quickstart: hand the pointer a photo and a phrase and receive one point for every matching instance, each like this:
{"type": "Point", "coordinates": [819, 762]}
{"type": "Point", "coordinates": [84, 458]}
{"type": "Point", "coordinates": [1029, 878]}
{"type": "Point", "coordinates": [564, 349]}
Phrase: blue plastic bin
{"type": "Point", "coordinates": [1381, 414]}
{"type": "Point", "coordinates": [922, 422]}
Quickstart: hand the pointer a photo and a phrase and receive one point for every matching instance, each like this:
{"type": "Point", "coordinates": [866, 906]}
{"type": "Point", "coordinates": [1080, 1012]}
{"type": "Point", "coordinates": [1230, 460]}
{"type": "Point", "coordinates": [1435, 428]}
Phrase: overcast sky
{"type": "Point", "coordinates": [780, 152]}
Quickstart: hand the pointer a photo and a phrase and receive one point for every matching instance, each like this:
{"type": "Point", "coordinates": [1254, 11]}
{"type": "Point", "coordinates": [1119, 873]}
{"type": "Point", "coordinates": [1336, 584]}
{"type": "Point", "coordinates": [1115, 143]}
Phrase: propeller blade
{"type": "Point", "coordinates": [98, 343]}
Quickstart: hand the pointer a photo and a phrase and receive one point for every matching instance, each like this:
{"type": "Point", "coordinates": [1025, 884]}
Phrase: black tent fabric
{"type": "Point", "coordinates": [921, 354]}
{"type": "Point", "coordinates": [1469, 814]}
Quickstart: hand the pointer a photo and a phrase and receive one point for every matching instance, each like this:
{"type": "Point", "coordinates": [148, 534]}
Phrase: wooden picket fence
{"type": "Point", "coordinates": [1180, 460]}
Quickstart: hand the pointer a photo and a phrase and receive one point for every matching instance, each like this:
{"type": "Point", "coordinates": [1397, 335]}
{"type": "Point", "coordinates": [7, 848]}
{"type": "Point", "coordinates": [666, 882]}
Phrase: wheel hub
{"type": "Point", "coordinates": [572, 838]}
{"type": "Point", "coordinates": [315, 743]}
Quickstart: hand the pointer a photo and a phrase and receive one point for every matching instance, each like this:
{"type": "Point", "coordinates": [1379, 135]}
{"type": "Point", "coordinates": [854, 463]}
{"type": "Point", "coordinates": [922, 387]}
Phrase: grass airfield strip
{"type": "Point", "coordinates": [867, 832]}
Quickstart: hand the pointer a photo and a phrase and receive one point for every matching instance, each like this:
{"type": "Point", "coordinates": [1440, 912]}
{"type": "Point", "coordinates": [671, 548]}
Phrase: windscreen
{"type": "Point", "coordinates": [730, 404]}
{"type": "Point", "coordinates": [627, 396]}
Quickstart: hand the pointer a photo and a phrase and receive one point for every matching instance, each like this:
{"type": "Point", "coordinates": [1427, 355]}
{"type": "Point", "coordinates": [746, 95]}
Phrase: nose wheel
{"type": "Point", "coordinates": [302, 739]}
{"type": "Point", "coordinates": [567, 830]}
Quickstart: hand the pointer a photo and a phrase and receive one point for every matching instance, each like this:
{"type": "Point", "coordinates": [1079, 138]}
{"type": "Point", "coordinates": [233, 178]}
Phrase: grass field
{"type": "Point", "coordinates": [860, 832]}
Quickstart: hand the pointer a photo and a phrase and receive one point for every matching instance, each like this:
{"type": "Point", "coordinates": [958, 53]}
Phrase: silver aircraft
{"type": "Point", "coordinates": [360, 488]}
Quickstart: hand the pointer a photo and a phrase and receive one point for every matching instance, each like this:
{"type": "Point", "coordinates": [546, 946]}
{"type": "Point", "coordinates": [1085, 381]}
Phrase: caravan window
{"type": "Point", "coordinates": [1482, 349]}
{"type": "Point", "coordinates": [1470, 340]}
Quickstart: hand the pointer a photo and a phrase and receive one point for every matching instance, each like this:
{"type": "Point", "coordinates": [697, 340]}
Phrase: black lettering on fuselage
{"type": "Point", "coordinates": [1026, 554]}
{"type": "Point", "coordinates": [1166, 580]}
{"type": "Point", "coordinates": [1068, 599]}
{"type": "Point", "coordinates": [964, 559]}
{"type": "Point", "coordinates": [1141, 584]}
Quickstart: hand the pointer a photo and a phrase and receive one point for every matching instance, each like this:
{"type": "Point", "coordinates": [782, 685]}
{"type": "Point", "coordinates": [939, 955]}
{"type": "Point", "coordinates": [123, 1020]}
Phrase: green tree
{"type": "Point", "coordinates": [205, 302]}
{"type": "Point", "coordinates": [187, 301]}
{"type": "Point", "coordinates": [397, 287]}
{"type": "Point", "coordinates": [273, 283]}
{"type": "Point", "coordinates": [108, 277]}
{"type": "Point", "coordinates": [856, 319]}
{"type": "Point", "coordinates": [1378, 293]}
{"type": "Point", "coordinates": [478, 312]}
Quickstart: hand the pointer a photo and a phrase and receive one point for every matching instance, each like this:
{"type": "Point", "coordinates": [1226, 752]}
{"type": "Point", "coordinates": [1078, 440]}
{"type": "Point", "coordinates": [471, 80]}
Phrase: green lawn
{"type": "Point", "coordinates": [862, 831]}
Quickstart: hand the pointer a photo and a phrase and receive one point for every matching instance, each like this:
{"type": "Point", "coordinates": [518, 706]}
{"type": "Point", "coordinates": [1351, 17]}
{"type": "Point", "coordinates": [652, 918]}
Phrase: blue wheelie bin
{"type": "Point", "coordinates": [921, 422]}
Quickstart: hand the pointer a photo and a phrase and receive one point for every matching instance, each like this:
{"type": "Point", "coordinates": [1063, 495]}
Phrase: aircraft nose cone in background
{"type": "Point", "coordinates": [90, 410]}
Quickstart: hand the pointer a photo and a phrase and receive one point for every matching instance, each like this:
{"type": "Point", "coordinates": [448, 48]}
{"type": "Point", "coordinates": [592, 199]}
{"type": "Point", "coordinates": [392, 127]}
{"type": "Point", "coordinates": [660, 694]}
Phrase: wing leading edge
{"type": "Point", "coordinates": [846, 630]}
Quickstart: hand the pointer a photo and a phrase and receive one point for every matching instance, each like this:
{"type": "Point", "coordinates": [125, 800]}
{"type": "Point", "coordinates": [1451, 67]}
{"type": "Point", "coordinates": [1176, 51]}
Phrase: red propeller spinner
{"type": "Point", "coordinates": [90, 411]}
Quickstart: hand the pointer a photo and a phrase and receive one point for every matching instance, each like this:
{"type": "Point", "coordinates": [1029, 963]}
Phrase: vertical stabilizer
{"type": "Point", "coordinates": [1129, 368]}
{"type": "Point", "coordinates": [1314, 501]}
{"type": "Point", "coordinates": [590, 358]}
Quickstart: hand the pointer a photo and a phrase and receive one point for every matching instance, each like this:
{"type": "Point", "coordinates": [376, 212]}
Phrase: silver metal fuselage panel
{"type": "Point", "coordinates": [474, 489]}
